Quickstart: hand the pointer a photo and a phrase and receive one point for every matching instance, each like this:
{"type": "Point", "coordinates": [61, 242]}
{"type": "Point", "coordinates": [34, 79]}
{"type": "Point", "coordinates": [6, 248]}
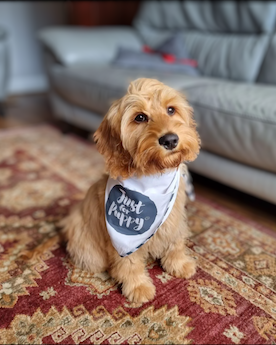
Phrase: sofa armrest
{"type": "Point", "coordinates": [4, 64]}
{"type": "Point", "coordinates": [71, 45]}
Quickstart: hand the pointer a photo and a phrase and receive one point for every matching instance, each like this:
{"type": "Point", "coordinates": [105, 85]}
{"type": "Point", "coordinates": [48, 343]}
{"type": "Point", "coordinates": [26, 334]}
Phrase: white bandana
{"type": "Point", "coordinates": [136, 207]}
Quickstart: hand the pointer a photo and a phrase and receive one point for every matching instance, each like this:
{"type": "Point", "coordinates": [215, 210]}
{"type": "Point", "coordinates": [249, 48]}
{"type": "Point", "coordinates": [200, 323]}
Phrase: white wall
{"type": "Point", "coordinates": [23, 20]}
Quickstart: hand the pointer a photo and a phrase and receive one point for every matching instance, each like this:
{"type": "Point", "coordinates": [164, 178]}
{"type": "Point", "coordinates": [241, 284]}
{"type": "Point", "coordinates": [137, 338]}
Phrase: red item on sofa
{"type": "Point", "coordinates": [170, 58]}
{"type": "Point", "coordinates": [147, 49]}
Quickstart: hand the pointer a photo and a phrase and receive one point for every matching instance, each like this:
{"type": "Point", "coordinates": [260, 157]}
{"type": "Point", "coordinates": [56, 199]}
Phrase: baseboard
{"type": "Point", "coordinates": [28, 84]}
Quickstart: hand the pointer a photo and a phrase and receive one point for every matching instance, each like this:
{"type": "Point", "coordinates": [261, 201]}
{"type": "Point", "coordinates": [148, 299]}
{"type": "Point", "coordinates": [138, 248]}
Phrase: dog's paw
{"type": "Point", "coordinates": [142, 293]}
{"type": "Point", "coordinates": [184, 269]}
{"type": "Point", "coordinates": [188, 269]}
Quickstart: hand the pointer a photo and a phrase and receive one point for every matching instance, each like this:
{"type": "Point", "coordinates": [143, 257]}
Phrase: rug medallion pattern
{"type": "Point", "coordinates": [47, 300]}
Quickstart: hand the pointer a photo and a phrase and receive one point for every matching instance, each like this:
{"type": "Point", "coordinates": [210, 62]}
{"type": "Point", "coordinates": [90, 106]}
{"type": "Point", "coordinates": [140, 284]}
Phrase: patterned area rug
{"type": "Point", "coordinates": [230, 300]}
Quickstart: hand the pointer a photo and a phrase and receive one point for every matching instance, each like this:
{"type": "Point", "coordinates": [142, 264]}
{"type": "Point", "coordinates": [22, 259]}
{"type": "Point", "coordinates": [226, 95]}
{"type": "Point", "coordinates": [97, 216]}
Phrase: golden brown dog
{"type": "Point", "coordinates": [148, 131]}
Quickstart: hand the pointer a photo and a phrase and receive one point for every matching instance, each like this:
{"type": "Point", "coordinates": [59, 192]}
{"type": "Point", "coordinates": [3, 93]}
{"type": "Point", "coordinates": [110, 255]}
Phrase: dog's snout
{"type": "Point", "coordinates": [169, 141]}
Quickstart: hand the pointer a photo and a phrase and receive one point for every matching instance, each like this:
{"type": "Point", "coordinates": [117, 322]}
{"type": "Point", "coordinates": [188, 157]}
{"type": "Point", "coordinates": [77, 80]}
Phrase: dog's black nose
{"type": "Point", "coordinates": [169, 141]}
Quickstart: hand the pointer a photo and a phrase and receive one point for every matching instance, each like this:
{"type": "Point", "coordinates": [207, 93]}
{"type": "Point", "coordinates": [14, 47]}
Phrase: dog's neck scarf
{"type": "Point", "coordinates": [136, 207]}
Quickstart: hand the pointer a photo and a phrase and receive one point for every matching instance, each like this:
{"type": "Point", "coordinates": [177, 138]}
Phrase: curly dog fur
{"type": "Point", "coordinates": [132, 148]}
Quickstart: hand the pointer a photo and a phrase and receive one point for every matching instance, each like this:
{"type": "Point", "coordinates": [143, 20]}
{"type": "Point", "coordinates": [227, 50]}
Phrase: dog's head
{"type": "Point", "coordinates": [149, 130]}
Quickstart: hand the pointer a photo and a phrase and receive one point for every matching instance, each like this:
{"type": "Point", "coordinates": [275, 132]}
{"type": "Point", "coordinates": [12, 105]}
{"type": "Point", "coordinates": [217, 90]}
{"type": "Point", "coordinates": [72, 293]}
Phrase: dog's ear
{"type": "Point", "coordinates": [193, 141]}
{"type": "Point", "coordinates": [108, 142]}
{"type": "Point", "coordinates": [107, 136]}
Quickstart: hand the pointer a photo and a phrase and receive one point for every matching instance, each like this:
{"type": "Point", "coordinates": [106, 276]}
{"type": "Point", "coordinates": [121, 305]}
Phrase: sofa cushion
{"type": "Point", "coordinates": [268, 69]}
{"type": "Point", "coordinates": [229, 39]}
{"type": "Point", "coordinates": [95, 86]}
{"type": "Point", "coordinates": [227, 56]}
{"type": "Point", "coordinates": [170, 56]}
{"type": "Point", "coordinates": [128, 58]}
{"type": "Point", "coordinates": [237, 121]}
{"type": "Point", "coordinates": [220, 55]}
{"type": "Point", "coordinates": [72, 45]}
{"type": "Point", "coordinates": [174, 45]}
{"type": "Point", "coordinates": [212, 16]}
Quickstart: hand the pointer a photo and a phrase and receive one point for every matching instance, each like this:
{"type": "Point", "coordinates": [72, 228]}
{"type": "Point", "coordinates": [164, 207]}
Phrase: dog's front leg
{"type": "Point", "coordinates": [177, 263]}
{"type": "Point", "coordinates": [137, 286]}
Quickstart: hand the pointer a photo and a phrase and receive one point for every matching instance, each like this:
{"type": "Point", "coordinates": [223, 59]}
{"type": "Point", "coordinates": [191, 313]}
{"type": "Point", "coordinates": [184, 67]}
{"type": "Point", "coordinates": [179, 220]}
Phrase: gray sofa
{"type": "Point", "coordinates": [234, 98]}
{"type": "Point", "coordinates": [4, 68]}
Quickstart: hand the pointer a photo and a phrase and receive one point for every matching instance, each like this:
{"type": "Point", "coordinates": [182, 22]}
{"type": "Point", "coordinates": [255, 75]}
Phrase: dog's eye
{"type": "Point", "coordinates": [170, 110]}
{"type": "Point", "coordinates": [141, 118]}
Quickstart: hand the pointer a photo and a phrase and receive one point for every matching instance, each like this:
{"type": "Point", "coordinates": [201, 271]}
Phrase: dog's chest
{"type": "Point", "coordinates": [173, 230]}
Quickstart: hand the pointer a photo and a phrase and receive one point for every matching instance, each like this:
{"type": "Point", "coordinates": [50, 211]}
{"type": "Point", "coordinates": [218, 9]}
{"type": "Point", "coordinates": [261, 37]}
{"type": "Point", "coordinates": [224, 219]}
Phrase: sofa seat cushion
{"type": "Point", "coordinates": [95, 86]}
{"type": "Point", "coordinates": [237, 121]}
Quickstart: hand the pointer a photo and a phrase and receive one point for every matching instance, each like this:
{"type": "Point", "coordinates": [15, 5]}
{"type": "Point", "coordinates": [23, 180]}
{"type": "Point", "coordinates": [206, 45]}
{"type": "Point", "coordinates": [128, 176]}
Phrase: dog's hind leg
{"type": "Point", "coordinates": [137, 286]}
{"type": "Point", "coordinates": [85, 249]}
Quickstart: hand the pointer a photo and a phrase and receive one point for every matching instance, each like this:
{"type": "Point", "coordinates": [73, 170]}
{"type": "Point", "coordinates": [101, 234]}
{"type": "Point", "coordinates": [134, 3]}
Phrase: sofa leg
{"type": "Point", "coordinates": [68, 128]}
{"type": "Point", "coordinates": [64, 126]}
{"type": "Point", "coordinates": [2, 109]}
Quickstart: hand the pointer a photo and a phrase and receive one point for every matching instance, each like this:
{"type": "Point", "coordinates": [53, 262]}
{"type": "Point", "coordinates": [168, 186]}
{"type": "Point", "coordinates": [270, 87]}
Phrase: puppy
{"type": "Point", "coordinates": [138, 208]}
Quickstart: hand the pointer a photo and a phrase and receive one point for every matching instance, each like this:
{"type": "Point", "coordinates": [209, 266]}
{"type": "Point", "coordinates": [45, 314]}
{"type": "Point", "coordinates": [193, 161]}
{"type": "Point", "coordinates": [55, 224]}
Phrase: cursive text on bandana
{"type": "Point", "coordinates": [136, 207]}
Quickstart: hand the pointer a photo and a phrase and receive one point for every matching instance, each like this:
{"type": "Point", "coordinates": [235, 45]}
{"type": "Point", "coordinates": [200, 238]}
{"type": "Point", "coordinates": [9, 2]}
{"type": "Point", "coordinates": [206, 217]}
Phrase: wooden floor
{"type": "Point", "coordinates": [26, 110]}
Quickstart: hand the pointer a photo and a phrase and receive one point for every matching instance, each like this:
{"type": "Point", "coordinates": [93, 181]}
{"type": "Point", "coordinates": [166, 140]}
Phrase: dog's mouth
{"type": "Point", "coordinates": [156, 159]}
{"type": "Point", "coordinates": [174, 152]}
